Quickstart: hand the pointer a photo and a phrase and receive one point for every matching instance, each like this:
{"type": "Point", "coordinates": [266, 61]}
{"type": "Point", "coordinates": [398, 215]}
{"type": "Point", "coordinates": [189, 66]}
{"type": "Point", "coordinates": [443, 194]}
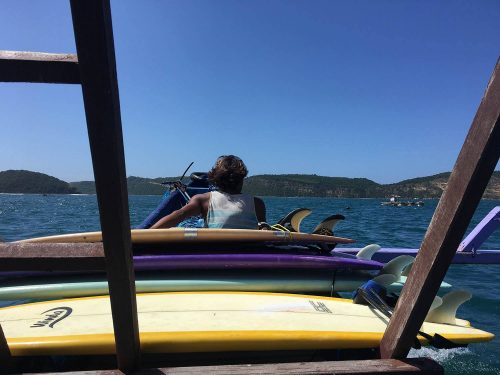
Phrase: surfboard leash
{"type": "Point", "coordinates": [332, 289]}
{"type": "Point", "coordinates": [437, 341]}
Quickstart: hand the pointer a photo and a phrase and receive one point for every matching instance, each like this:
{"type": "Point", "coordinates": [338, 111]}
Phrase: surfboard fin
{"type": "Point", "coordinates": [379, 304]}
{"type": "Point", "coordinates": [293, 219]}
{"type": "Point", "coordinates": [435, 340]}
{"type": "Point", "coordinates": [326, 226]}
{"type": "Point", "coordinates": [385, 280]}
{"type": "Point", "coordinates": [368, 251]}
{"type": "Point", "coordinates": [446, 311]}
{"type": "Point", "coordinates": [438, 301]}
{"type": "Point", "coordinates": [395, 267]}
{"type": "Point", "coordinates": [407, 269]}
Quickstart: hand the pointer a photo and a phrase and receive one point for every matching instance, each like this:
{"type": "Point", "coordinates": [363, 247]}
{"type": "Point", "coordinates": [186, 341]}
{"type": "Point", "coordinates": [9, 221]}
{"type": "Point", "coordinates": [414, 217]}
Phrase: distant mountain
{"type": "Point", "coordinates": [422, 187]}
{"type": "Point", "coordinates": [433, 186]}
{"type": "Point", "coordinates": [285, 185]}
{"type": "Point", "coordinates": [291, 185]}
{"type": "Point", "coordinates": [135, 185]}
{"type": "Point", "coordinates": [319, 186]}
{"type": "Point", "coordinates": [83, 187]}
{"type": "Point", "coordinates": [146, 186]}
{"type": "Point", "coordinates": [27, 182]}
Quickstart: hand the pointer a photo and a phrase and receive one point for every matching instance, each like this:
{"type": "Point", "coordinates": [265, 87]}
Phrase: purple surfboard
{"type": "Point", "coordinates": [232, 261]}
{"type": "Point", "coordinates": [468, 252]}
{"type": "Point", "coordinates": [461, 257]}
{"type": "Point", "coordinates": [269, 261]}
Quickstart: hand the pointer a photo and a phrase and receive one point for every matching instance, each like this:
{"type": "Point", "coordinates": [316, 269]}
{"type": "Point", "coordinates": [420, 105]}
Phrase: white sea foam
{"type": "Point", "coordinates": [439, 355]}
{"type": "Point", "coordinates": [458, 361]}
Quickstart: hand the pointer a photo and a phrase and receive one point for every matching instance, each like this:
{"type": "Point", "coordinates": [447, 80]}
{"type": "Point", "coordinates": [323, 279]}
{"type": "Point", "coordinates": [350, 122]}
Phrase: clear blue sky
{"type": "Point", "coordinates": [380, 89]}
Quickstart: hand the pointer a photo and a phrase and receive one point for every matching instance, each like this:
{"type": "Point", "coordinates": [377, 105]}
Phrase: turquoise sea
{"type": "Point", "coordinates": [23, 216]}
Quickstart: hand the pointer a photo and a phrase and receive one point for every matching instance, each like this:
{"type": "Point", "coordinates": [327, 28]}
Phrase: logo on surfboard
{"type": "Point", "coordinates": [320, 307]}
{"type": "Point", "coordinates": [53, 316]}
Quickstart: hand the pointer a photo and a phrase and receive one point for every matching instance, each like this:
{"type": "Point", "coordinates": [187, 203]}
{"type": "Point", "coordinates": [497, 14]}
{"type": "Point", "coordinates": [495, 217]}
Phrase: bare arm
{"type": "Point", "coordinates": [260, 209]}
{"type": "Point", "coordinates": [193, 208]}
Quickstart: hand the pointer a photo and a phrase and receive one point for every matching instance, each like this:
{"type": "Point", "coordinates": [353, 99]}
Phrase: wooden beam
{"type": "Point", "coordinates": [468, 180]}
{"type": "Point", "coordinates": [51, 257]}
{"type": "Point", "coordinates": [20, 66]}
{"type": "Point", "coordinates": [17, 66]}
{"type": "Point", "coordinates": [5, 357]}
{"type": "Point", "coordinates": [96, 55]}
{"type": "Point", "coordinates": [364, 367]}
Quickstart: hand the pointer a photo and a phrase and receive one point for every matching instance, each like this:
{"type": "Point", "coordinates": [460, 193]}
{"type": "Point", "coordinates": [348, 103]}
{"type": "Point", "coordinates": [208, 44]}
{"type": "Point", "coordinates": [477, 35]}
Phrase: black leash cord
{"type": "Point", "coordinates": [332, 289]}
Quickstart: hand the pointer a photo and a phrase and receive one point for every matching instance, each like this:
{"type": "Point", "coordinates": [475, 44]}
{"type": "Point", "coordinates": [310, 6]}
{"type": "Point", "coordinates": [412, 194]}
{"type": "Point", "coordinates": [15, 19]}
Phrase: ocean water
{"type": "Point", "coordinates": [24, 216]}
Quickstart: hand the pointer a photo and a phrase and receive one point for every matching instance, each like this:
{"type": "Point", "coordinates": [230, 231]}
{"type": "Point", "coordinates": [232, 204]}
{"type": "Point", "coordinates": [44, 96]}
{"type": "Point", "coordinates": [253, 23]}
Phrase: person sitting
{"type": "Point", "coordinates": [225, 208]}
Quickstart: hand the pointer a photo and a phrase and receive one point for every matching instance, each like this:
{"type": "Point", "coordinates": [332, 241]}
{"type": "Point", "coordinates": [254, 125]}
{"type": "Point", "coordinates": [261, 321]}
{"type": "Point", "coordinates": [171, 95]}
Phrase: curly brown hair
{"type": "Point", "coordinates": [228, 173]}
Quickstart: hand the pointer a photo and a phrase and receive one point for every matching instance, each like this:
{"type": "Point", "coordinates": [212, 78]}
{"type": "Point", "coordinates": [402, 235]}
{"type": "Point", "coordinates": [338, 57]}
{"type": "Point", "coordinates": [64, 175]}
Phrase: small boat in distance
{"type": "Point", "coordinates": [395, 202]}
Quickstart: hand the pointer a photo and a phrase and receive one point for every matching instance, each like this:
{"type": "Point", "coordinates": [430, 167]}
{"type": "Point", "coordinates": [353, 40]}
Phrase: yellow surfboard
{"type": "Point", "coordinates": [198, 235]}
{"type": "Point", "coordinates": [207, 322]}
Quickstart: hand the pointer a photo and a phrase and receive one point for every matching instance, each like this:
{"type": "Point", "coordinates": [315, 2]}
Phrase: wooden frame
{"type": "Point", "coordinates": [471, 173]}
{"type": "Point", "coordinates": [95, 69]}
{"type": "Point", "coordinates": [362, 367]}
{"type": "Point", "coordinates": [52, 257]}
{"type": "Point", "coordinates": [96, 56]}
{"type": "Point", "coordinates": [16, 66]}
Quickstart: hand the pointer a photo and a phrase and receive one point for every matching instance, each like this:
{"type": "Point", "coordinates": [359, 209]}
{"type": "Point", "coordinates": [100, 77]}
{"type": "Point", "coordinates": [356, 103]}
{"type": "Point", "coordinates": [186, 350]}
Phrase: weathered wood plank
{"type": "Point", "coordinates": [20, 66]}
{"type": "Point", "coordinates": [364, 367]}
{"type": "Point", "coordinates": [96, 56]}
{"type": "Point", "coordinates": [468, 180]}
{"type": "Point", "coordinates": [5, 357]}
{"type": "Point", "coordinates": [51, 257]}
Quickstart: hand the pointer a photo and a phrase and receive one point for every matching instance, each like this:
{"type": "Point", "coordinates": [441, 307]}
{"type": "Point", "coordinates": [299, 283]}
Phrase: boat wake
{"type": "Point", "coordinates": [439, 355]}
{"type": "Point", "coordinates": [457, 361]}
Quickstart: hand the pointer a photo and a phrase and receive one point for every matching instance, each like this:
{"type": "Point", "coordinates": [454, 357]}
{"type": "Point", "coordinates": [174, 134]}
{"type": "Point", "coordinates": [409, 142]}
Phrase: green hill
{"type": "Point", "coordinates": [319, 186]}
{"type": "Point", "coordinates": [312, 186]}
{"type": "Point", "coordinates": [286, 185]}
{"type": "Point", "coordinates": [146, 186]}
{"type": "Point", "coordinates": [27, 182]}
{"type": "Point", "coordinates": [136, 185]}
{"type": "Point", "coordinates": [83, 187]}
{"type": "Point", "coordinates": [433, 186]}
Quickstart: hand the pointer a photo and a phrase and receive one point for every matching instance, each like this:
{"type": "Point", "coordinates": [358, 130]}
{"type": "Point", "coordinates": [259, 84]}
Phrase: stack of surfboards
{"type": "Point", "coordinates": [263, 269]}
{"type": "Point", "coordinates": [217, 300]}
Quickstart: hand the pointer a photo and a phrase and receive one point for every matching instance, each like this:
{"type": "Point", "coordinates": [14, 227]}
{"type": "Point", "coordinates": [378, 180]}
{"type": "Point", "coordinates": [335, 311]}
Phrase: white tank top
{"type": "Point", "coordinates": [233, 211]}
